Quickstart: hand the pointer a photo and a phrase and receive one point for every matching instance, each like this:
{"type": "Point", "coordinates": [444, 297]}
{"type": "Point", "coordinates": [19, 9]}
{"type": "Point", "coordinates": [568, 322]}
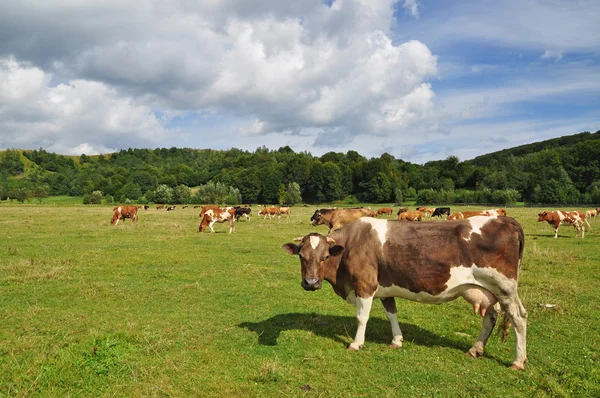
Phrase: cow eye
{"type": "Point", "coordinates": [325, 258]}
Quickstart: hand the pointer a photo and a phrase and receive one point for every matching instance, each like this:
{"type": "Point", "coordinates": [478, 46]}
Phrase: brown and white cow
{"type": "Point", "coordinates": [467, 214]}
{"type": "Point", "coordinates": [591, 213]}
{"type": "Point", "coordinates": [411, 216]}
{"type": "Point", "coordinates": [123, 212]}
{"type": "Point", "coordinates": [385, 210]}
{"type": "Point", "coordinates": [269, 212]}
{"type": "Point", "coordinates": [338, 218]}
{"type": "Point", "coordinates": [212, 216]}
{"type": "Point", "coordinates": [560, 217]}
{"type": "Point", "coordinates": [285, 211]}
{"type": "Point", "coordinates": [372, 258]}
{"type": "Point", "coordinates": [208, 207]}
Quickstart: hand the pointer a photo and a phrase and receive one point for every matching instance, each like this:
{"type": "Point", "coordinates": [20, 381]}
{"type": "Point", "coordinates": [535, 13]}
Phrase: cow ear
{"type": "Point", "coordinates": [336, 250]}
{"type": "Point", "coordinates": [291, 248]}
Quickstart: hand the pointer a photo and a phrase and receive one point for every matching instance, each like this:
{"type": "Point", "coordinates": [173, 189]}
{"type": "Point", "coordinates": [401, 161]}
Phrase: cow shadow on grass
{"type": "Point", "coordinates": [342, 328]}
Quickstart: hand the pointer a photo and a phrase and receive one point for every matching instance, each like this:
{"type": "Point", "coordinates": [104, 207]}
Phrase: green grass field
{"type": "Point", "coordinates": [158, 309]}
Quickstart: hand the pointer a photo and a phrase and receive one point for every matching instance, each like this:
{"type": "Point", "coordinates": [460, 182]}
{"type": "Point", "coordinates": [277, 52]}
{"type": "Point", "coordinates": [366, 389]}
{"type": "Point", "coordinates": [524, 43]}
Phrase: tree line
{"type": "Point", "coordinates": [565, 170]}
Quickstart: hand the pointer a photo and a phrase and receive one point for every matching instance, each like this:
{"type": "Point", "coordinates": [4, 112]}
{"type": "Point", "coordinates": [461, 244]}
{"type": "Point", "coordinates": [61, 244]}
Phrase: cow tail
{"type": "Point", "coordinates": [589, 226]}
{"type": "Point", "coordinates": [504, 327]}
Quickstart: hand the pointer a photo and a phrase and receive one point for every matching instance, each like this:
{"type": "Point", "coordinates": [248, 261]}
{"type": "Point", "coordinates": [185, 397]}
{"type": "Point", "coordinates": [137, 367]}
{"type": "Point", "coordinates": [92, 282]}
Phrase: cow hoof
{"type": "Point", "coordinates": [354, 347]}
{"type": "Point", "coordinates": [393, 345]}
{"type": "Point", "coordinates": [516, 366]}
{"type": "Point", "coordinates": [473, 353]}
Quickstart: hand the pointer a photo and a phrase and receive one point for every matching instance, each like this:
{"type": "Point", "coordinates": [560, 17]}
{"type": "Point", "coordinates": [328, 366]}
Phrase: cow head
{"type": "Point", "coordinates": [501, 212]}
{"type": "Point", "coordinates": [542, 216]}
{"type": "Point", "coordinates": [314, 252]}
{"type": "Point", "coordinates": [317, 219]}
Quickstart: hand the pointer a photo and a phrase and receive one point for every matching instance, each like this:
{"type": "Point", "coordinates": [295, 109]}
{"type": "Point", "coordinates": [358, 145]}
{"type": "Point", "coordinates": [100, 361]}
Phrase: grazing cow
{"type": "Point", "coordinates": [591, 213]}
{"type": "Point", "coordinates": [185, 207]}
{"type": "Point", "coordinates": [468, 214]}
{"type": "Point", "coordinates": [146, 207]}
{"type": "Point", "coordinates": [368, 212]}
{"type": "Point", "coordinates": [384, 259]}
{"type": "Point", "coordinates": [402, 210]}
{"type": "Point", "coordinates": [270, 212]}
{"type": "Point", "coordinates": [170, 208]}
{"type": "Point", "coordinates": [429, 212]}
{"type": "Point", "coordinates": [208, 207]}
{"type": "Point", "coordinates": [338, 218]}
{"type": "Point", "coordinates": [242, 211]}
{"type": "Point", "coordinates": [440, 211]}
{"type": "Point", "coordinates": [197, 206]}
{"type": "Point", "coordinates": [285, 210]}
{"type": "Point", "coordinates": [411, 216]}
{"type": "Point", "coordinates": [422, 209]}
{"type": "Point", "coordinates": [123, 212]}
{"type": "Point", "coordinates": [160, 207]}
{"type": "Point", "coordinates": [212, 216]}
{"type": "Point", "coordinates": [559, 217]}
{"type": "Point", "coordinates": [385, 210]}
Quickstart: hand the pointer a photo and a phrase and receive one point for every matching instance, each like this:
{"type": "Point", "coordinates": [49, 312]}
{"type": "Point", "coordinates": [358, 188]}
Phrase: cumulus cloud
{"type": "Point", "coordinates": [99, 72]}
{"type": "Point", "coordinates": [79, 115]}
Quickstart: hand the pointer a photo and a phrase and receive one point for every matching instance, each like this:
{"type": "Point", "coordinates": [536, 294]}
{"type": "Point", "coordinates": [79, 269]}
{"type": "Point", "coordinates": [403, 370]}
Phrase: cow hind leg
{"type": "Point", "coordinates": [363, 309]}
{"type": "Point", "coordinates": [487, 327]}
{"type": "Point", "coordinates": [389, 307]}
{"type": "Point", "coordinates": [518, 316]}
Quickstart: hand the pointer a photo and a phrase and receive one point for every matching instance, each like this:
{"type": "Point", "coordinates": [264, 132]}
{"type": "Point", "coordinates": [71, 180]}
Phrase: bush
{"type": "Point", "coordinates": [95, 198]}
{"type": "Point", "coordinates": [217, 193]}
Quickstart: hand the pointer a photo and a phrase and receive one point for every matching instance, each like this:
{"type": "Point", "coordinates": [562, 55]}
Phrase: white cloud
{"type": "Point", "coordinates": [66, 118]}
{"type": "Point", "coordinates": [412, 6]}
{"type": "Point", "coordinates": [551, 54]}
{"type": "Point", "coordinates": [272, 66]}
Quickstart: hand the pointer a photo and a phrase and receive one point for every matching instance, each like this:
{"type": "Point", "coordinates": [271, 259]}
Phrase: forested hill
{"type": "Point", "coordinates": [560, 142]}
{"type": "Point", "coordinates": [564, 170]}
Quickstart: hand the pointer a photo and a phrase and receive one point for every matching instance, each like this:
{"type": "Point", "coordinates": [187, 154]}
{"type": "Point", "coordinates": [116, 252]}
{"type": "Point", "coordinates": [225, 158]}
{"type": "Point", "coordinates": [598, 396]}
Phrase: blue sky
{"type": "Point", "coordinates": [419, 79]}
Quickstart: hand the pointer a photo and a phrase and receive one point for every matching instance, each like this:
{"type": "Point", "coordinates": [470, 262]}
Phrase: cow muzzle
{"type": "Point", "coordinates": [311, 284]}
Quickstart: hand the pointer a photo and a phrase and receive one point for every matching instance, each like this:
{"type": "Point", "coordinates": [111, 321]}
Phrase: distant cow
{"type": "Point", "coordinates": [123, 212]}
{"type": "Point", "coordinates": [559, 217]}
{"type": "Point", "coordinates": [402, 210]}
{"type": "Point", "coordinates": [242, 211]}
{"type": "Point", "coordinates": [270, 212]}
{"type": "Point", "coordinates": [160, 207]}
{"type": "Point", "coordinates": [477, 259]}
{"type": "Point", "coordinates": [440, 211]}
{"type": "Point", "coordinates": [339, 217]}
{"type": "Point", "coordinates": [212, 216]}
{"type": "Point", "coordinates": [411, 216]}
{"type": "Point", "coordinates": [385, 210]}
{"type": "Point", "coordinates": [468, 214]}
{"type": "Point", "coordinates": [170, 208]}
{"type": "Point", "coordinates": [146, 207]}
{"type": "Point", "coordinates": [285, 210]}
{"type": "Point", "coordinates": [591, 213]}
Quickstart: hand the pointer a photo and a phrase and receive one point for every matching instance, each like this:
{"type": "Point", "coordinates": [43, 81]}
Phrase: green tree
{"type": "Point", "coordinates": [162, 194]}
{"type": "Point", "coordinates": [131, 191]}
{"type": "Point", "coordinates": [182, 194]}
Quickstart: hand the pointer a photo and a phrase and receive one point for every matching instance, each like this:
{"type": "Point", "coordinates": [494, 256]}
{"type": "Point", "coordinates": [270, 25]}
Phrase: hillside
{"type": "Point", "coordinates": [563, 170]}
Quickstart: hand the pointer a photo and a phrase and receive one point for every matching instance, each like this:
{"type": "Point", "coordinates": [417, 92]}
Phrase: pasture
{"type": "Point", "coordinates": [158, 309]}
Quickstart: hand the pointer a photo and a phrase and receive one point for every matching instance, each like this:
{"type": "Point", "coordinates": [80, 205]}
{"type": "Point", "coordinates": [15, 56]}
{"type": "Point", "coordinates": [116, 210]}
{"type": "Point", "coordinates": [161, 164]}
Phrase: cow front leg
{"type": "Point", "coordinates": [389, 307]}
{"type": "Point", "coordinates": [363, 309]}
{"type": "Point", "coordinates": [488, 323]}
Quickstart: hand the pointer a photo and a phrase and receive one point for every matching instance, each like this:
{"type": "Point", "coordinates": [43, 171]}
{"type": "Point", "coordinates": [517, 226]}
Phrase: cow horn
{"type": "Point", "coordinates": [299, 239]}
{"type": "Point", "coordinates": [330, 240]}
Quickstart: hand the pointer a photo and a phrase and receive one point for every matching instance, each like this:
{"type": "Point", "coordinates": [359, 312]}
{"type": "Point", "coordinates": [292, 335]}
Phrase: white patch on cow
{"type": "Point", "coordinates": [561, 215]}
{"type": "Point", "coordinates": [379, 226]}
{"type": "Point", "coordinates": [314, 241]}
{"type": "Point", "coordinates": [460, 277]}
{"type": "Point", "coordinates": [477, 223]}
